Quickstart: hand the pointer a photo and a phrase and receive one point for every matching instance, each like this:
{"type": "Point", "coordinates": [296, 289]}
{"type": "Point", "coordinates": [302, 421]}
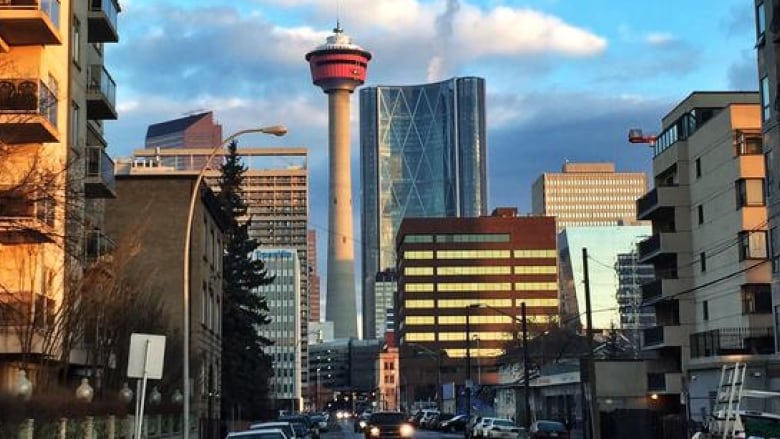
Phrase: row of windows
{"type": "Point", "coordinates": [475, 286]}
{"type": "Point", "coordinates": [458, 336]}
{"type": "Point", "coordinates": [585, 215]}
{"type": "Point", "coordinates": [478, 254]}
{"type": "Point", "coordinates": [460, 237]}
{"type": "Point", "coordinates": [480, 286]}
{"type": "Point", "coordinates": [476, 320]}
{"type": "Point", "coordinates": [573, 181]}
{"type": "Point", "coordinates": [474, 352]}
{"type": "Point", "coordinates": [480, 270]}
{"type": "Point", "coordinates": [462, 303]}
{"type": "Point", "coordinates": [574, 197]}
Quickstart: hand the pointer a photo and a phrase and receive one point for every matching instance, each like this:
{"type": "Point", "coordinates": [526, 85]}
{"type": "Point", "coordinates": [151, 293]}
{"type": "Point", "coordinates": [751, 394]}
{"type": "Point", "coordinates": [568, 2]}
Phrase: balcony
{"type": "Point", "coordinates": [662, 243]}
{"type": "Point", "coordinates": [97, 247]}
{"type": "Point", "coordinates": [28, 112]}
{"type": "Point", "coordinates": [659, 202]}
{"type": "Point", "coordinates": [101, 94]}
{"type": "Point", "coordinates": [103, 21]}
{"type": "Point", "coordinates": [25, 216]}
{"type": "Point", "coordinates": [30, 22]}
{"type": "Point", "coordinates": [732, 341]}
{"type": "Point", "coordinates": [652, 291]}
{"type": "Point", "coordinates": [661, 336]}
{"type": "Point", "coordinates": [99, 179]}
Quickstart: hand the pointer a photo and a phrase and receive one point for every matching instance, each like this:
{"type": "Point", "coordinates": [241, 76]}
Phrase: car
{"type": "Point", "coordinates": [470, 431]}
{"type": "Point", "coordinates": [548, 429]}
{"type": "Point", "coordinates": [286, 428]}
{"type": "Point", "coordinates": [455, 423]}
{"type": "Point", "coordinates": [428, 418]}
{"type": "Point", "coordinates": [265, 433]}
{"type": "Point", "coordinates": [498, 428]}
{"type": "Point", "coordinates": [361, 422]}
{"type": "Point", "coordinates": [302, 425]}
{"type": "Point", "coordinates": [320, 420]}
{"type": "Point", "coordinates": [388, 425]}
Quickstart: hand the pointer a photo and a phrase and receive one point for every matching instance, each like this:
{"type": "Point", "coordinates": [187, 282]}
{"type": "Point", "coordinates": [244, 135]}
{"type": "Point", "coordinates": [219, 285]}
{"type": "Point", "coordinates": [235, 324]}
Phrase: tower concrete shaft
{"type": "Point", "coordinates": [341, 308]}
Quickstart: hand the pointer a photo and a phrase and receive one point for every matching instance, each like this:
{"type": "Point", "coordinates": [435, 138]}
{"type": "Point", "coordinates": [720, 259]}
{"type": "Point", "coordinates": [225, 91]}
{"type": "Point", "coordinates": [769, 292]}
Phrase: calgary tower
{"type": "Point", "coordinates": [338, 67]}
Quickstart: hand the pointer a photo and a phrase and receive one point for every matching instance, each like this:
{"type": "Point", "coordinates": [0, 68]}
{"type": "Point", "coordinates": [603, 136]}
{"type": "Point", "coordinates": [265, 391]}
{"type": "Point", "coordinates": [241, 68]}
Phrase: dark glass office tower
{"type": "Point", "coordinates": [423, 154]}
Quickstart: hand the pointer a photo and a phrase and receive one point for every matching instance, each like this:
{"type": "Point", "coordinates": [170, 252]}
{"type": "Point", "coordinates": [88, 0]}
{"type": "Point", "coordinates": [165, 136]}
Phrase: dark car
{"type": "Point", "coordinates": [388, 425]}
{"type": "Point", "coordinates": [456, 423]}
{"type": "Point", "coordinates": [361, 422]}
{"type": "Point", "coordinates": [549, 429]}
{"type": "Point", "coordinates": [308, 428]}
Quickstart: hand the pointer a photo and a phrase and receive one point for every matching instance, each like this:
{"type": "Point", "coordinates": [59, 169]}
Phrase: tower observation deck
{"type": "Point", "coordinates": [338, 67]}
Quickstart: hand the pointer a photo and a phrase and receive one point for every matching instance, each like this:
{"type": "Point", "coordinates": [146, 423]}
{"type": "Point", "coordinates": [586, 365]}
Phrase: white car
{"type": "Point", "coordinates": [262, 433]}
{"type": "Point", "coordinates": [497, 428]}
{"type": "Point", "coordinates": [286, 428]}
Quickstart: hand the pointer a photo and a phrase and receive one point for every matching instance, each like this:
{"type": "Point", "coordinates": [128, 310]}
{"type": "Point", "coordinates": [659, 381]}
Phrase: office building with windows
{"type": "Point", "coordinates": [631, 275]}
{"type": "Point", "coordinates": [314, 277]}
{"type": "Point", "coordinates": [423, 154]}
{"type": "Point", "coordinates": [709, 248]}
{"type": "Point", "coordinates": [284, 310]}
{"type": "Point", "coordinates": [386, 288]}
{"type": "Point", "coordinates": [462, 283]}
{"type": "Point", "coordinates": [588, 194]}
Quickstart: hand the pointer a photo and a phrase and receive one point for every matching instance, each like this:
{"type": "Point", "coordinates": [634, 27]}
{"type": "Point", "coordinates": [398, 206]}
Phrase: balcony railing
{"type": "Point", "coordinates": [732, 341]}
{"type": "Point", "coordinates": [654, 336]}
{"type": "Point", "coordinates": [97, 247]}
{"type": "Point", "coordinates": [30, 22]}
{"type": "Point", "coordinates": [100, 181]}
{"type": "Point", "coordinates": [101, 94]}
{"type": "Point", "coordinates": [649, 245]}
{"type": "Point", "coordinates": [28, 111]}
{"type": "Point", "coordinates": [656, 382]}
{"type": "Point", "coordinates": [652, 291]}
{"type": "Point", "coordinates": [103, 20]}
{"type": "Point", "coordinates": [646, 202]}
{"type": "Point", "coordinates": [26, 213]}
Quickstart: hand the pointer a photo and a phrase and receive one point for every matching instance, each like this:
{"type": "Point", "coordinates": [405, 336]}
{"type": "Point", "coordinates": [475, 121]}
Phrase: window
{"type": "Point", "coordinates": [756, 299]}
{"type": "Point", "coordinates": [749, 143]}
{"type": "Point", "coordinates": [700, 209]}
{"type": "Point", "coordinates": [750, 192]}
{"type": "Point", "coordinates": [766, 106]}
{"type": "Point", "coordinates": [774, 242]}
{"type": "Point", "coordinates": [703, 261]}
{"type": "Point", "coordinates": [76, 42]}
{"type": "Point", "coordinates": [705, 310]}
{"type": "Point", "coordinates": [75, 123]}
{"type": "Point", "coordinates": [698, 168]}
{"type": "Point", "coordinates": [760, 22]}
{"type": "Point", "coordinates": [752, 245]}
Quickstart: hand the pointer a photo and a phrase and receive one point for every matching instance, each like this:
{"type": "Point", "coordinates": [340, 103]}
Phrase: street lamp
{"type": "Point", "coordinates": [436, 355]}
{"type": "Point", "coordinates": [276, 130]}
{"type": "Point", "coordinates": [526, 376]}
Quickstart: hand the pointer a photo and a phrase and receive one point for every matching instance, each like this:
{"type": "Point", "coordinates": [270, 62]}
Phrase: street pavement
{"type": "Point", "coordinates": [345, 430]}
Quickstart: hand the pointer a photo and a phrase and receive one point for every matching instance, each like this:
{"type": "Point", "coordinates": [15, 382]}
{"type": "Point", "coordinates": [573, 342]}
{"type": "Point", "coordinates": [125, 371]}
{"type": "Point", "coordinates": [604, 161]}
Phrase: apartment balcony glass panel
{"type": "Point", "coordinates": [101, 94]}
{"type": "Point", "coordinates": [733, 341]}
{"type": "Point", "coordinates": [25, 215]}
{"type": "Point", "coordinates": [652, 291]}
{"type": "Point", "coordinates": [656, 382]}
{"type": "Point", "coordinates": [103, 19]}
{"type": "Point", "coordinates": [28, 111]}
{"type": "Point", "coordinates": [99, 179]}
{"type": "Point", "coordinates": [97, 246]}
{"type": "Point", "coordinates": [30, 22]}
{"type": "Point", "coordinates": [653, 336]}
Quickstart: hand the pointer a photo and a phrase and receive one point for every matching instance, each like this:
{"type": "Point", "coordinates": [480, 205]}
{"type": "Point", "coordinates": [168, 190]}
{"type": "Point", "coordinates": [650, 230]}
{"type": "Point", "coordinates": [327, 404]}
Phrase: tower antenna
{"type": "Point", "coordinates": [338, 17]}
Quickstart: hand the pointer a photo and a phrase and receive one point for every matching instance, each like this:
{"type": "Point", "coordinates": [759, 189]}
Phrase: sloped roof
{"type": "Point", "coordinates": [174, 126]}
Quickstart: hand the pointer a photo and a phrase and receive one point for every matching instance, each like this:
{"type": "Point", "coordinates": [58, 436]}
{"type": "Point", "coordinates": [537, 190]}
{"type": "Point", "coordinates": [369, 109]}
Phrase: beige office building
{"type": "Point", "coordinates": [709, 248]}
{"type": "Point", "coordinates": [588, 194]}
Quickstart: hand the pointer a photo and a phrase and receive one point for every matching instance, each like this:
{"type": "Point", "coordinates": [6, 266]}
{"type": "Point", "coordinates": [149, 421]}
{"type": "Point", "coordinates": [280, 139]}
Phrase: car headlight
{"type": "Point", "coordinates": [407, 430]}
{"type": "Point", "coordinates": [362, 424]}
{"type": "Point", "coordinates": [375, 431]}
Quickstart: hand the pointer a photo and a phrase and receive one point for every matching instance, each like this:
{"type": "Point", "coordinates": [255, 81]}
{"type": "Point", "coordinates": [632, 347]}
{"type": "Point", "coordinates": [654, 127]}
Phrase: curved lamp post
{"type": "Point", "coordinates": [276, 130]}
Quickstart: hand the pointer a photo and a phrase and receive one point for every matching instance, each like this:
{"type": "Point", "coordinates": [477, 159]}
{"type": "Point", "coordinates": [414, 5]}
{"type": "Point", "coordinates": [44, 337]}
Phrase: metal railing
{"type": "Point", "coordinates": [108, 7]}
{"type": "Point", "coordinates": [100, 165]}
{"type": "Point", "coordinates": [732, 341]}
{"type": "Point", "coordinates": [97, 246]}
{"type": "Point", "coordinates": [656, 382]}
{"type": "Point", "coordinates": [28, 96]}
{"type": "Point", "coordinates": [649, 245]}
{"type": "Point", "coordinates": [653, 336]}
{"type": "Point", "coordinates": [49, 7]}
{"type": "Point", "coordinates": [100, 81]}
{"type": "Point", "coordinates": [647, 202]}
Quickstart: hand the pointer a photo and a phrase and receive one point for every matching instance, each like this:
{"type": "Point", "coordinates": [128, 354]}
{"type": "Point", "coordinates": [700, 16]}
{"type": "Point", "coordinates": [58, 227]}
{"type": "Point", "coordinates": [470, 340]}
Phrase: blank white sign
{"type": "Point", "coordinates": [135, 362]}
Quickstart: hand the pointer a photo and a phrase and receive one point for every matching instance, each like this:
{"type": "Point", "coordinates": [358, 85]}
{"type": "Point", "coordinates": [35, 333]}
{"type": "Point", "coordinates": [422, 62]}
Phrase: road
{"type": "Point", "coordinates": [345, 430]}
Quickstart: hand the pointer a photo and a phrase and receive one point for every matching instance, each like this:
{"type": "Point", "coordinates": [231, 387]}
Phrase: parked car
{"type": "Point", "coordinates": [269, 433]}
{"type": "Point", "coordinates": [428, 418]}
{"type": "Point", "coordinates": [433, 422]}
{"type": "Point", "coordinates": [471, 427]}
{"type": "Point", "coordinates": [320, 420]}
{"type": "Point", "coordinates": [498, 428]}
{"type": "Point", "coordinates": [453, 424]}
{"type": "Point", "coordinates": [309, 429]}
{"type": "Point", "coordinates": [388, 425]}
{"type": "Point", "coordinates": [361, 422]}
{"type": "Point", "coordinates": [286, 428]}
{"type": "Point", "coordinates": [548, 429]}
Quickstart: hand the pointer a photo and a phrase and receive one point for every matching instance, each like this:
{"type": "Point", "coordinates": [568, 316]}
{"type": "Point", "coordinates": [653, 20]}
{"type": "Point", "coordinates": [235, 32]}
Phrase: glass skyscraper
{"type": "Point", "coordinates": [423, 154]}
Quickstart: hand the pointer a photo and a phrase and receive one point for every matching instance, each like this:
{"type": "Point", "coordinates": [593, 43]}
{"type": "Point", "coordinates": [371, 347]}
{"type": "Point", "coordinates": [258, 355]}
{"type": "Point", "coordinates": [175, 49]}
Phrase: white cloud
{"type": "Point", "coordinates": [659, 38]}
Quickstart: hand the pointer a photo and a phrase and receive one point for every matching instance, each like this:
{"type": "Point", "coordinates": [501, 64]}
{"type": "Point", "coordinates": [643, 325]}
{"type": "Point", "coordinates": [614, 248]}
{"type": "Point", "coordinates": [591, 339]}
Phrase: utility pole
{"type": "Point", "coordinates": [526, 375]}
{"type": "Point", "coordinates": [595, 430]}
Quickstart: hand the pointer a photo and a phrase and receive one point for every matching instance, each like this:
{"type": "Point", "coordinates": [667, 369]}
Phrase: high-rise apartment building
{"type": "Point", "coordinates": [631, 275]}
{"type": "Point", "coordinates": [767, 43]}
{"type": "Point", "coordinates": [423, 154]}
{"type": "Point", "coordinates": [284, 310]}
{"type": "Point", "coordinates": [55, 94]}
{"type": "Point", "coordinates": [709, 249]}
{"type": "Point", "coordinates": [314, 277]}
{"type": "Point", "coordinates": [588, 194]}
{"type": "Point", "coordinates": [276, 189]}
{"type": "Point", "coordinates": [385, 288]}
{"type": "Point", "coordinates": [462, 283]}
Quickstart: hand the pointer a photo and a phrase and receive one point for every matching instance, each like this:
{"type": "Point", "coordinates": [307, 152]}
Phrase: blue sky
{"type": "Point", "coordinates": [565, 78]}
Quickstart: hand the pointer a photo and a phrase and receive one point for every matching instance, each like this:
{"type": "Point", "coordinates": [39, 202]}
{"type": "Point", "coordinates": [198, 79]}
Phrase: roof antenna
{"type": "Point", "coordinates": [338, 29]}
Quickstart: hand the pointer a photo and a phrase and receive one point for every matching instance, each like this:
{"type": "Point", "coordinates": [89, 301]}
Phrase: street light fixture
{"type": "Point", "coordinates": [275, 130]}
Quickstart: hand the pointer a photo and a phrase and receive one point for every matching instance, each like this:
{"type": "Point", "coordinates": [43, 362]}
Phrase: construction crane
{"type": "Point", "coordinates": [635, 135]}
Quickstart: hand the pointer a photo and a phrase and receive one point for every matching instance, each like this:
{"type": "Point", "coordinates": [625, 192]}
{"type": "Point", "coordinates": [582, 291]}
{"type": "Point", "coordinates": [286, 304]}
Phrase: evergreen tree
{"type": "Point", "coordinates": [246, 369]}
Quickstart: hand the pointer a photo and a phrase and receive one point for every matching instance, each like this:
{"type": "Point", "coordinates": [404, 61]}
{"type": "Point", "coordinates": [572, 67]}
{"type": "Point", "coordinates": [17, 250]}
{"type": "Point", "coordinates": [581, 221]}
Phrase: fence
{"type": "Point", "coordinates": [110, 427]}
